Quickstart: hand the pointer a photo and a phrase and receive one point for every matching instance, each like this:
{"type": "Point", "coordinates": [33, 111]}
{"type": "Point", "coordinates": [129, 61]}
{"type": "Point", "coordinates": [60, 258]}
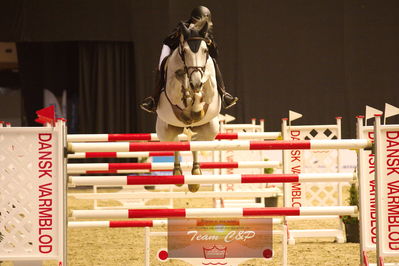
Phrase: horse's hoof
{"type": "Point", "coordinates": [196, 171]}
{"type": "Point", "coordinates": [178, 171]}
{"type": "Point", "coordinates": [198, 115]}
{"type": "Point", "coordinates": [193, 187]}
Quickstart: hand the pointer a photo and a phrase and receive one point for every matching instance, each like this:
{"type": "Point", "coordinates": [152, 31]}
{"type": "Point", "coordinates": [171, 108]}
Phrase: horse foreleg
{"type": "Point", "coordinates": [196, 170]}
{"type": "Point", "coordinates": [176, 167]}
{"type": "Point", "coordinates": [197, 111]}
{"type": "Point", "coordinates": [196, 165]}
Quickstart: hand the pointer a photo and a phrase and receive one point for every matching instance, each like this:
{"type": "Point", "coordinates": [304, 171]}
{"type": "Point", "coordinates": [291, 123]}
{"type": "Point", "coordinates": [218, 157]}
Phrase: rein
{"type": "Point", "coordinates": [200, 69]}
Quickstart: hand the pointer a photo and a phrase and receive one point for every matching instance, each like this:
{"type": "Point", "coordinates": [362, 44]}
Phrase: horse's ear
{"type": "Point", "coordinates": [184, 30]}
{"type": "Point", "coordinates": [204, 29]}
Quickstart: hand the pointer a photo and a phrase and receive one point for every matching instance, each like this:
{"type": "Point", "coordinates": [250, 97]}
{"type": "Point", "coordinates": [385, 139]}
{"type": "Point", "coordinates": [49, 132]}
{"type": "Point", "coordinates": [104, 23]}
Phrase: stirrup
{"type": "Point", "coordinates": [231, 102]}
{"type": "Point", "coordinates": [148, 105]}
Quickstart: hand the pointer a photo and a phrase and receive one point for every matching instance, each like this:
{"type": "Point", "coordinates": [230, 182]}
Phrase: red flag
{"type": "Point", "coordinates": [46, 115]}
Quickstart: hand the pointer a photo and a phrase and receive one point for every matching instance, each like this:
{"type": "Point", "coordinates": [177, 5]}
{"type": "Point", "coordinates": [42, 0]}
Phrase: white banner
{"type": "Point", "coordinates": [32, 193]}
{"type": "Point", "coordinates": [387, 180]}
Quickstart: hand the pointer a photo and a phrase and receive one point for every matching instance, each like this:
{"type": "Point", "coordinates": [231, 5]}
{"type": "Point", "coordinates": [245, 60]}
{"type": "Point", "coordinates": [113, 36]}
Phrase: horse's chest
{"type": "Point", "coordinates": [186, 117]}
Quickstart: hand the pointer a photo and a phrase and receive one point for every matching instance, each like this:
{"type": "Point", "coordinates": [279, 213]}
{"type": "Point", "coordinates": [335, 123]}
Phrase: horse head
{"type": "Point", "coordinates": [194, 54]}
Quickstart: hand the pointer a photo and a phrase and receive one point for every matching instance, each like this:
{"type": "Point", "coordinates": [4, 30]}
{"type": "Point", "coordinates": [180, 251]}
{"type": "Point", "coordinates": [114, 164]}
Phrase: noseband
{"type": "Point", "coordinates": [200, 69]}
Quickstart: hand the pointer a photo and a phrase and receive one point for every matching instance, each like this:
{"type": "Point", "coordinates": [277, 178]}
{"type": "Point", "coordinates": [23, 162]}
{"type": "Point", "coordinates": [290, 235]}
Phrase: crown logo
{"type": "Point", "coordinates": [214, 252]}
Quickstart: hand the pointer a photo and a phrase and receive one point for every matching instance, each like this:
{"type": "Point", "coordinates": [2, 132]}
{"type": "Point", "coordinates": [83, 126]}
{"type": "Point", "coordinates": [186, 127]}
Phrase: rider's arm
{"type": "Point", "coordinates": [172, 40]}
{"type": "Point", "coordinates": [169, 44]}
{"type": "Point", "coordinates": [164, 53]}
{"type": "Point", "coordinates": [213, 49]}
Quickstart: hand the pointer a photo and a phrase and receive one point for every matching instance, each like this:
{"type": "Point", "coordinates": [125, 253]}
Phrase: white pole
{"type": "Point", "coordinates": [330, 210]}
{"type": "Point", "coordinates": [147, 246]}
{"type": "Point", "coordinates": [285, 244]}
{"type": "Point", "coordinates": [88, 224]}
{"type": "Point", "coordinates": [363, 185]}
{"type": "Point", "coordinates": [379, 182]}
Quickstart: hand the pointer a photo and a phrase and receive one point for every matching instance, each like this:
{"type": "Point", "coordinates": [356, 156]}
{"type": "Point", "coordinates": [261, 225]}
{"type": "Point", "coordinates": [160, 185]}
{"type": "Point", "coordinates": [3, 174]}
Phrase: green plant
{"type": "Point", "coordinates": [268, 170]}
{"type": "Point", "coordinates": [353, 200]}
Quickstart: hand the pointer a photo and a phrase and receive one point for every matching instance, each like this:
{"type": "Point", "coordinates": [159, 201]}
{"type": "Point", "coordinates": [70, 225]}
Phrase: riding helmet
{"type": "Point", "coordinates": [200, 12]}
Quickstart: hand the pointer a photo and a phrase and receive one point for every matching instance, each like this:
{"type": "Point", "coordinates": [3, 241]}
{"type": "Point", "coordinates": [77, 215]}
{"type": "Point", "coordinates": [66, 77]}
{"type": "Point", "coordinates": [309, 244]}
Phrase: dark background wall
{"type": "Point", "coordinates": [320, 58]}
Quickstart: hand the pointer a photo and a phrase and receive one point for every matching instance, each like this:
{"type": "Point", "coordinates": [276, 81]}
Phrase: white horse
{"type": "Point", "coordinates": [190, 101]}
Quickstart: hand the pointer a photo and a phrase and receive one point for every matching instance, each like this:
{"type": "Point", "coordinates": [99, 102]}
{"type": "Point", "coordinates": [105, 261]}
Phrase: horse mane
{"type": "Point", "coordinates": [201, 22]}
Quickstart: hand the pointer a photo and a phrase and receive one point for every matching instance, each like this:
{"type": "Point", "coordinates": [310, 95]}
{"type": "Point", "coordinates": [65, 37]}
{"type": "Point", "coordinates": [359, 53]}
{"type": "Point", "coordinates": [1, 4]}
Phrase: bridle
{"type": "Point", "coordinates": [178, 111]}
{"type": "Point", "coordinates": [200, 69]}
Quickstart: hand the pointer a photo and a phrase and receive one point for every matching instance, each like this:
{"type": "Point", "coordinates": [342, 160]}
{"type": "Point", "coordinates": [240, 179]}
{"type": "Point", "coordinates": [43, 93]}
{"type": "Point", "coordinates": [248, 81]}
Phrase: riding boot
{"type": "Point", "coordinates": [150, 103]}
{"type": "Point", "coordinates": [227, 99]}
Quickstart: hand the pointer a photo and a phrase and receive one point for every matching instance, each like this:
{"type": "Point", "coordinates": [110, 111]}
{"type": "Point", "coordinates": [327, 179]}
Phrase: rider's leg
{"type": "Point", "coordinates": [227, 99]}
{"type": "Point", "coordinates": [150, 103]}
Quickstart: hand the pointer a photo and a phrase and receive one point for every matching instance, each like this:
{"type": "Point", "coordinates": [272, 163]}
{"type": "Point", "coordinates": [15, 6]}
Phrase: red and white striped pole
{"type": "Point", "coordinates": [154, 137]}
{"type": "Point", "coordinates": [220, 145]}
{"type": "Point", "coordinates": [214, 212]}
{"type": "Point", "coordinates": [210, 179]}
{"type": "Point", "coordinates": [111, 167]}
{"type": "Point", "coordinates": [81, 155]}
{"type": "Point", "coordinates": [118, 224]}
{"type": "Point", "coordinates": [157, 223]}
{"type": "Point", "coordinates": [111, 137]}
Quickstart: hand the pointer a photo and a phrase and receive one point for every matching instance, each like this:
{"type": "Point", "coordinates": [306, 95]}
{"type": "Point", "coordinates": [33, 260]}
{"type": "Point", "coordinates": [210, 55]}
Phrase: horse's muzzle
{"type": "Point", "coordinates": [196, 89]}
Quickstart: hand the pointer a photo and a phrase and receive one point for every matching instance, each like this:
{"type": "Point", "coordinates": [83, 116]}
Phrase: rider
{"type": "Point", "coordinates": [171, 42]}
